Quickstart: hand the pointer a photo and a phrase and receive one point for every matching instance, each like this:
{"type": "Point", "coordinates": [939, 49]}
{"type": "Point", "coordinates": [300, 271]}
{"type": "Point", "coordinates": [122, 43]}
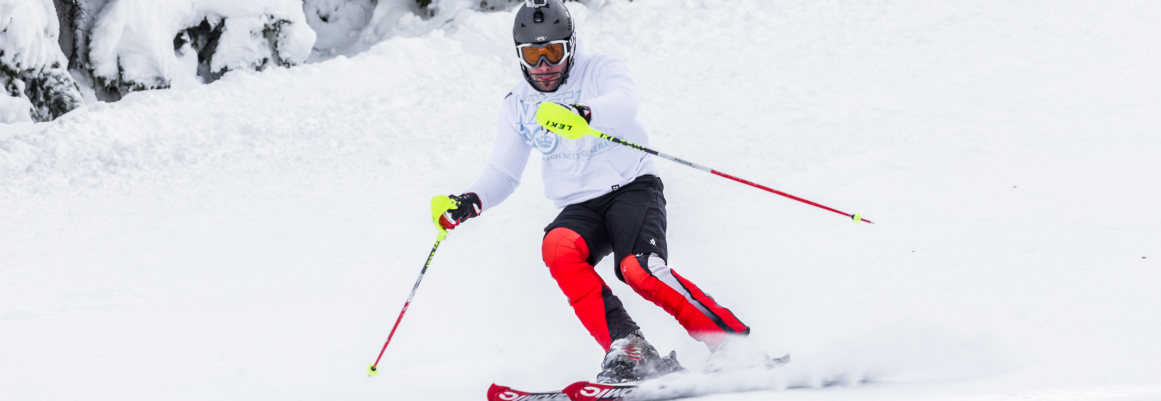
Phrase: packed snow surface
{"type": "Point", "coordinates": [255, 238]}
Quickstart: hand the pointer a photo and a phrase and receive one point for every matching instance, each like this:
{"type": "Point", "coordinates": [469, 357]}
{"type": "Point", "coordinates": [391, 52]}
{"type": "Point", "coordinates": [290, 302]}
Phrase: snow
{"type": "Point", "coordinates": [347, 35]}
{"type": "Point", "coordinates": [132, 40]}
{"type": "Point", "coordinates": [29, 52]}
{"type": "Point", "coordinates": [14, 110]}
{"type": "Point", "coordinates": [337, 22]}
{"type": "Point", "coordinates": [255, 238]}
{"type": "Point", "coordinates": [28, 31]}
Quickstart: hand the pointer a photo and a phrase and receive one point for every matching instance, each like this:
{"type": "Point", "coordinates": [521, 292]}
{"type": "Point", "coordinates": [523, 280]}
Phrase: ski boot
{"type": "Point", "coordinates": [632, 359]}
{"type": "Point", "coordinates": [741, 353]}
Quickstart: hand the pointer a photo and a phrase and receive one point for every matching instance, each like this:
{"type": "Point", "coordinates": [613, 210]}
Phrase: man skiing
{"type": "Point", "coordinates": [611, 195]}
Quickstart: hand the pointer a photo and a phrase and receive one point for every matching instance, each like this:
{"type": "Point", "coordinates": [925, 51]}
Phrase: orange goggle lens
{"type": "Point", "coordinates": [554, 53]}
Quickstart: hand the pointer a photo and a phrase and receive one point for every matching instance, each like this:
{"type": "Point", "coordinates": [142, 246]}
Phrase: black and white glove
{"type": "Point", "coordinates": [581, 110]}
{"type": "Point", "coordinates": [467, 206]}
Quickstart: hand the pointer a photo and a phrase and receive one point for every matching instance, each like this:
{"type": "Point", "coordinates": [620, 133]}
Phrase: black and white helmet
{"type": "Point", "coordinates": [543, 32]}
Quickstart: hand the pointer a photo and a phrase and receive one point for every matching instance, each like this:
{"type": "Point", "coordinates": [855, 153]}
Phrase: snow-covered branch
{"type": "Point", "coordinates": [143, 44]}
{"type": "Point", "coordinates": [33, 70]}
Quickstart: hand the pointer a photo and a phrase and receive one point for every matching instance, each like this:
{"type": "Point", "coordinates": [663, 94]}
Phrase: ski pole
{"type": "Point", "coordinates": [572, 126]}
{"type": "Point", "coordinates": [374, 368]}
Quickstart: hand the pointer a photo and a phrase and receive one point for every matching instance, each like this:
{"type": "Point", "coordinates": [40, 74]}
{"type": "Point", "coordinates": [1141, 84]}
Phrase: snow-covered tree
{"type": "Point", "coordinates": [33, 70]}
{"type": "Point", "coordinates": [106, 49]}
{"type": "Point", "coordinates": [348, 27]}
{"type": "Point", "coordinates": [121, 46]}
{"type": "Point", "coordinates": [337, 22]}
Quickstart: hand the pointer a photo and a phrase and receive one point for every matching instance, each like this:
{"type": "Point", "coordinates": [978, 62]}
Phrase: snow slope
{"type": "Point", "coordinates": [254, 238]}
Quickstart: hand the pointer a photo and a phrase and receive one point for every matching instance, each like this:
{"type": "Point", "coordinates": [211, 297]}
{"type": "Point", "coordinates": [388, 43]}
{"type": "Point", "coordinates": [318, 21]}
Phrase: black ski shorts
{"type": "Point", "coordinates": [628, 221]}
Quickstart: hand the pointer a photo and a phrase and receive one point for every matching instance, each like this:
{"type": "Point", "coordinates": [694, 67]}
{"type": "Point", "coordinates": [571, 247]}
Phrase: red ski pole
{"type": "Point", "coordinates": [567, 124]}
{"type": "Point", "coordinates": [373, 369]}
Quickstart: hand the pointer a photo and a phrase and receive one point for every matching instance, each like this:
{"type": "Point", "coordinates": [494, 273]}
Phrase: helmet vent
{"type": "Point", "coordinates": [538, 17]}
{"type": "Point", "coordinates": [557, 22]}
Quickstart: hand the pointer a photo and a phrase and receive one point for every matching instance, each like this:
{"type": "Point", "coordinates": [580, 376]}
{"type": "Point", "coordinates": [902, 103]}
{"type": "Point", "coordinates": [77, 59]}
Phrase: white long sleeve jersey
{"type": "Point", "coordinates": [574, 170]}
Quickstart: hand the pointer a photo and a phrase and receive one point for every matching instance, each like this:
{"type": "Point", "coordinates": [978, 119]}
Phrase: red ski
{"type": "Point", "coordinates": [501, 393]}
{"type": "Point", "coordinates": [589, 391]}
{"type": "Point", "coordinates": [579, 391]}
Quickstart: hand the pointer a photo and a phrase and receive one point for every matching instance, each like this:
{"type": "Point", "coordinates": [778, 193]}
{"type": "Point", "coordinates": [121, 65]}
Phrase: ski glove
{"type": "Point", "coordinates": [581, 110]}
{"type": "Point", "coordinates": [462, 207]}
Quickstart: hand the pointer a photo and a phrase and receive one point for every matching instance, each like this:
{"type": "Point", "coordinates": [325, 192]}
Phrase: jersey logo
{"type": "Point", "coordinates": [551, 145]}
{"type": "Point", "coordinates": [543, 140]}
{"type": "Point", "coordinates": [540, 138]}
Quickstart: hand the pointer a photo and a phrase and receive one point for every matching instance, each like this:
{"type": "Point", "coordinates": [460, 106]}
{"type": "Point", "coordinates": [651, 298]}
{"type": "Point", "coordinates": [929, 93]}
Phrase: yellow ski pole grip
{"type": "Point", "coordinates": [440, 204]}
{"type": "Point", "coordinates": [563, 122]}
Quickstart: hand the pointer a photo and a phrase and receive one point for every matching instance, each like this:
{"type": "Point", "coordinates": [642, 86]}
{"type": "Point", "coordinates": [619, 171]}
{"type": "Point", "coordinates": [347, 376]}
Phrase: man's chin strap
{"type": "Point", "coordinates": [554, 87]}
{"type": "Point", "coordinates": [555, 83]}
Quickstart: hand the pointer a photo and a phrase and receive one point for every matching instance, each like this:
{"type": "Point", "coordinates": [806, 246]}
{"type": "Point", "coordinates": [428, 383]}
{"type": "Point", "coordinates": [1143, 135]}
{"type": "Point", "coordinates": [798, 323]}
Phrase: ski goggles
{"type": "Point", "coordinates": [553, 52]}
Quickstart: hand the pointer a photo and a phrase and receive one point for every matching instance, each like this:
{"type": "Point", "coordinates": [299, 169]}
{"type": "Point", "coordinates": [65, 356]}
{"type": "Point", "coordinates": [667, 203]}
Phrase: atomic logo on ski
{"type": "Point", "coordinates": [589, 391]}
{"type": "Point", "coordinates": [501, 393]}
{"type": "Point", "coordinates": [579, 391]}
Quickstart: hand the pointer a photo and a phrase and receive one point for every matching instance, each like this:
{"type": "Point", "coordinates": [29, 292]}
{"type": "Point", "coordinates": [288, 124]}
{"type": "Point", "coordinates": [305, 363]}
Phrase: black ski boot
{"type": "Point", "coordinates": [632, 359]}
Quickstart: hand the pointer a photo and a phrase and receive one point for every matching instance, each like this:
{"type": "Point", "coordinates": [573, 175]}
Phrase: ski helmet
{"type": "Point", "coordinates": [543, 31]}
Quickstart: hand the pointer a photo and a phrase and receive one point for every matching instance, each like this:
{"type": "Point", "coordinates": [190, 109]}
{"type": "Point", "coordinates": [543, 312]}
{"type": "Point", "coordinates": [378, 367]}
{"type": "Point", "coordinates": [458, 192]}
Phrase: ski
{"type": "Point", "coordinates": [589, 391]}
{"type": "Point", "coordinates": [579, 391]}
{"type": "Point", "coordinates": [668, 387]}
{"type": "Point", "coordinates": [501, 393]}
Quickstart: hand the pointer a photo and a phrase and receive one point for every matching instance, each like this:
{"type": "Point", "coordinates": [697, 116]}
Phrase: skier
{"type": "Point", "coordinates": [611, 195]}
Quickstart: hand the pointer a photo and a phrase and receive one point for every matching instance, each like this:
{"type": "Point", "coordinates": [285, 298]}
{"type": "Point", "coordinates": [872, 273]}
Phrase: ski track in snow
{"type": "Point", "coordinates": [255, 238]}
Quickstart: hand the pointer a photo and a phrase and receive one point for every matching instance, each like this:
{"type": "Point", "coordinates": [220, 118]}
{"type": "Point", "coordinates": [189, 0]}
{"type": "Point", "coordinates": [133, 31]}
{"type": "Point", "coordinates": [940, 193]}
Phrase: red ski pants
{"type": "Point", "coordinates": [567, 255]}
